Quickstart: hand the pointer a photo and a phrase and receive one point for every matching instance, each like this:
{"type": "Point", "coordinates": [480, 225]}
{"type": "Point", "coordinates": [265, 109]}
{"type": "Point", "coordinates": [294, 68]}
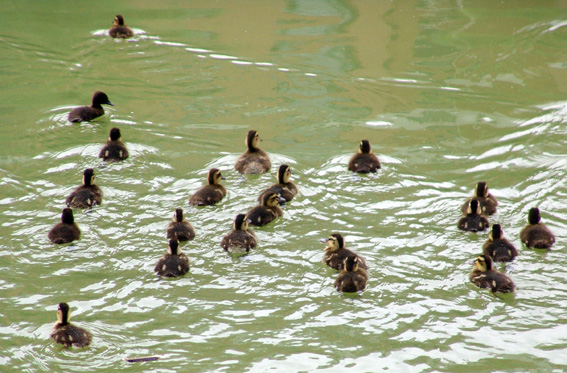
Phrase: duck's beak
{"type": "Point", "coordinates": [281, 201]}
{"type": "Point", "coordinates": [109, 103]}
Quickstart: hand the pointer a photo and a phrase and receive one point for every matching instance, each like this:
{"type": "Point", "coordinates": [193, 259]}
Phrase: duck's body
{"type": "Point", "coordinates": [267, 211]}
{"type": "Point", "coordinates": [211, 193]}
{"type": "Point", "coordinates": [364, 161]}
{"type": "Point", "coordinates": [536, 234]}
{"type": "Point", "coordinates": [254, 160]}
{"type": "Point", "coordinates": [241, 239]}
{"type": "Point", "coordinates": [119, 28]}
{"type": "Point", "coordinates": [87, 195]}
{"type": "Point", "coordinates": [498, 248]}
{"type": "Point", "coordinates": [67, 334]}
{"type": "Point", "coordinates": [336, 253]}
{"type": "Point", "coordinates": [473, 221]}
{"type": "Point", "coordinates": [285, 188]}
{"type": "Point", "coordinates": [114, 150]}
{"type": "Point", "coordinates": [352, 278]}
{"type": "Point", "coordinates": [173, 264]}
{"type": "Point", "coordinates": [180, 229]}
{"type": "Point", "coordinates": [88, 113]}
{"type": "Point", "coordinates": [487, 202]}
{"type": "Point", "coordinates": [485, 277]}
{"type": "Point", "coordinates": [67, 230]}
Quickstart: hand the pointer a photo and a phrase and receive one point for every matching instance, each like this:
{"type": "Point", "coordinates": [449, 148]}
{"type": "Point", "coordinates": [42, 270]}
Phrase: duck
{"type": "Point", "coordinates": [67, 230]}
{"type": "Point", "coordinates": [536, 234]}
{"type": "Point", "coordinates": [336, 253]}
{"type": "Point", "coordinates": [484, 276]}
{"type": "Point", "coordinates": [364, 160]}
{"type": "Point", "coordinates": [498, 248]}
{"type": "Point", "coordinates": [119, 28]}
{"type": "Point", "coordinates": [88, 113]}
{"type": "Point", "coordinates": [67, 334]}
{"type": "Point", "coordinates": [486, 200]}
{"type": "Point", "coordinates": [211, 193]}
{"type": "Point", "coordinates": [241, 239]}
{"type": "Point", "coordinates": [267, 211]}
{"type": "Point", "coordinates": [473, 221]}
{"type": "Point", "coordinates": [180, 228]}
{"type": "Point", "coordinates": [114, 150]}
{"type": "Point", "coordinates": [86, 195]}
{"type": "Point", "coordinates": [173, 264]}
{"type": "Point", "coordinates": [285, 188]}
{"type": "Point", "coordinates": [254, 160]}
{"type": "Point", "coordinates": [352, 278]}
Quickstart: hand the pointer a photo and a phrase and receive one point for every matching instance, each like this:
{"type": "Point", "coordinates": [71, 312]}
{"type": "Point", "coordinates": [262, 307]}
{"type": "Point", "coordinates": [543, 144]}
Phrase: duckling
{"type": "Point", "coordinates": [498, 248]}
{"type": "Point", "coordinates": [211, 193]}
{"type": "Point", "coordinates": [267, 210]}
{"type": "Point", "coordinates": [241, 239]}
{"type": "Point", "coordinates": [119, 29]}
{"type": "Point", "coordinates": [180, 228]}
{"type": "Point", "coordinates": [173, 264]}
{"type": "Point", "coordinates": [87, 195]}
{"type": "Point", "coordinates": [352, 278]}
{"type": "Point", "coordinates": [67, 334]}
{"type": "Point", "coordinates": [484, 276]}
{"type": "Point", "coordinates": [88, 113]}
{"type": "Point", "coordinates": [536, 235]}
{"type": "Point", "coordinates": [473, 221]}
{"type": "Point", "coordinates": [254, 160]}
{"type": "Point", "coordinates": [114, 150]}
{"type": "Point", "coordinates": [285, 188]}
{"type": "Point", "coordinates": [486, 200]}
{"type": "Point", "coordinates": [66, 231]}
{"type": "Point", "coordinates": [336, 253]}
{"type": "Point", "coordinates": [364, 161]}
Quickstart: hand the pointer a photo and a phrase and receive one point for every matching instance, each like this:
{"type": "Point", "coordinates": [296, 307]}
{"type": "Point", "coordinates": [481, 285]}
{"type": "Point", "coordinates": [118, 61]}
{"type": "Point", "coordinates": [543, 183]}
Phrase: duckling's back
{"type": "Point", "coordinates": [71, 335]}
{"type": "Point", "coordinates": [172, 265]}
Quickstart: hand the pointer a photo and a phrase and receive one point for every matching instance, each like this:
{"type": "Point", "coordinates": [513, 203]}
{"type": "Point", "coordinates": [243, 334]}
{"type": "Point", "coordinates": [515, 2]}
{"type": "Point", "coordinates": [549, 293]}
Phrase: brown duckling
{"type": "Point", "coordinates": [254, 160]}
{"type": "Point", "coordinates": [241, 239]}
{"type": "Point", "coordinates": [336, 253]}
{"type": "Point", "coordinates": [119, 29]}
{"type": "Point", "coordinates": [173, 264]}
{"type": "Point", "coordinates": [498, 248]}
{"type": "Point", "coordinates": [285, 188]}
{"type": "Point", "coordinates": [211, 193]}
{"type": "Point", "coordinates": [364, 161]}
{"type": "Point", "coordinates": [88, 194]}
{"type": "Point", "coordinates": [88, 113]}
{"type": "Point", "coordinates": [67, 334]}
{"type": "Point", "coordinates": [473, 221]}
{"type": "Point", "coordinates": [67, 230]}
{"type": "Point", "coordinates": [536, 235]}
{"type": "Point", "coordinates": [267, 210]}
{"type": "Point", "coordinates": [352, 278]}
{"type": "Point", "coordinates": [180, 228]}
{"type": "Point", "coordinates": [114, 150]}
{"type": "Point", "coordinates": [485, 277]}
{"type": "Point", "coordinates": [486, 200]}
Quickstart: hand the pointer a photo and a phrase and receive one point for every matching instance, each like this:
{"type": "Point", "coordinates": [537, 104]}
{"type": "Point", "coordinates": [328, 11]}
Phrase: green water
{"type": "Point", "coordinates": [448, 93]}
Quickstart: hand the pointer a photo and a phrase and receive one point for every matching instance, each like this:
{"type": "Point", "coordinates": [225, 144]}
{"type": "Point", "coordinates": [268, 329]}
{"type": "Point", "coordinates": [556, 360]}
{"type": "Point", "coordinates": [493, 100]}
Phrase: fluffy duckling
{"type": "Point", "coordinates": [254, 160]}
{"type": "Point", "coordinates": [67, 230]}
{"type": "Point", "coordinates": [352, 278]}
{"type": "Point", "coordinates": [364, 161]}
{"type": "Point", "coordinates": [87, 195]}
{"type": "Point", "coordinates": [211, 193]}
{"type": "Point", "coordinates": [484, 276]}
{"type": "Point", "coordinates": [173, 264]}
{"type": "Point", "coordinates": [241, 239]}
{"type": "Point", "coordinates": [486, 200]}
{"type": "Point", "coordinates": [336, 253]}
{"type": "Point", "coordinates": [536, 235]}
{"type": "Point", "coordinates": [285, 188]}
{"type": "Point", "coordinates": [498, 248]}
{"type": "Point", "coordinates": [88, 113]}
{"type": "Point", "coordinates": [119, 29]}
{"type": "Point", "coordinates": [114, 150]}
{"type": "Point", "coordinates": [67, 334]}
{"type": "Point", "coordinates": [473, 221]}
{"type": "Point", "coordinates": [180, 229]}
{"type": "Point", "coordinates": [267, 210]}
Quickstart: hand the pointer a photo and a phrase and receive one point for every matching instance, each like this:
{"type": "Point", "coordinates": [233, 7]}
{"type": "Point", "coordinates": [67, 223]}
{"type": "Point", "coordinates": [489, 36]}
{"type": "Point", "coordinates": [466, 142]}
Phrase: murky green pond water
{"type": "Point", "coordinates": [448, 92]}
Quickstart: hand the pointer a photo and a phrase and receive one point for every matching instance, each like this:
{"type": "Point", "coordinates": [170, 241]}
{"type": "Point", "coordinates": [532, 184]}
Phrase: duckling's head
{"type": "Point", "coordinates": [474, 207]}
{"type": "Point", "coordinates": [100, 98]}
{"type": "Point", "coordinates": [215, 176]}
{"type": "Point", "coordinates": [483, 263]}
{"type": "Point", "coordinates": [63, 313]}
{"type": "Point", "coordinates": [178, 215]}
{"type": "Point", "coordinates": [272, 199]}
{"type": "Point", "coordinates": [284, 174]}
{"type": "Point", "coordinates": [67, 216]}
{"type": "Point", "coordinates": [88, 177]}
{"type": "Point", "coordinates": [253, 140]}
{"type": "Point", "coordinates": [173, 247]}
{"type": "Point", "coordinates": [241, 222]}
{"type": "Point", "coordinates": [364, 147]}
{"type": "Point", "coordinates": [496, 233]}
{"type": "Point", "coordinates": [119, 20]}
{"type": "Point", "coordinates": [534, 216]}
{"type": "Point", "coordinates": [334, 242]}
{"type": "Point", "coordinates": [481, 190]}
{"type": "Point", "coordinates": [351, 263]}
{"type": "Point", "coordinates": [115, 134]}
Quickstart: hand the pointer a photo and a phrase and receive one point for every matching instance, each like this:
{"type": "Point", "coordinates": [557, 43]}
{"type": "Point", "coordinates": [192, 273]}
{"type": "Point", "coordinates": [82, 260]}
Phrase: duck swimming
{"type": "Point", "coordinates": [173, 264]}
{"type": "Point", "coordinates": [67, 334]}
{"type": "Point", "coordinates": [336, 253]}
{"type": "Point", "coordinates": [267, 211]}
{"type": "Point", "coordinates": [241, 239]}
{"type": "Point", "coordinates": [485, 277]}
{"type": "Point", "coordinates": [536, 234]}
{"type": "Point", "coordinates": [180, 229]}
{"type": "Point", "coordinates": [211, 193]}
{"type": "Point", "coordinates": [67, 230]}
{"type": "Point", "coordinates": [88, 194]}
{"type": "Point", "coordinates": [285, 188]}
{"type": "Point", "coordinates": [114, 150]}
{"type": "Point", "coordinates": [364, 161]}
{"type": "Point", "coordinates": [486, 200]}
{"type": "Point", "coordinates": [352, 278]}
{"type": "Point", "coordinates": [88, 113]}
{"type": "Point", "coordinates": [119, 29]}
{"type": "Point", "coordinates": [498, 248]}
{"type": "Point", "coordinates": [473, 221]}
{"type": "Point", "coordinates": [254, 160]}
